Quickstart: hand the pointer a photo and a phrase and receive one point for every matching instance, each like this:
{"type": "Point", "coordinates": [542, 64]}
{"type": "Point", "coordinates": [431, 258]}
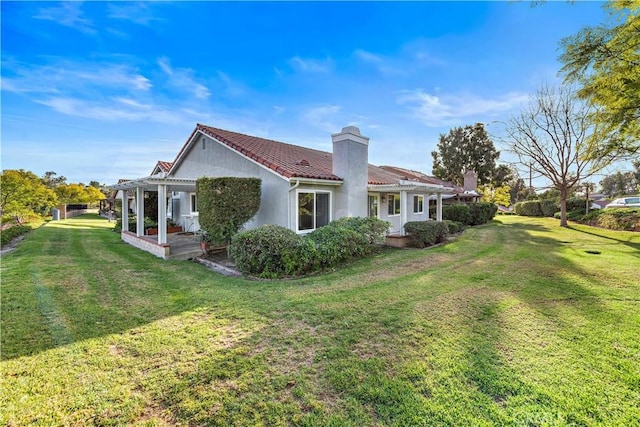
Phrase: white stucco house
{"type": "Point", "coordinates": [302, 188]}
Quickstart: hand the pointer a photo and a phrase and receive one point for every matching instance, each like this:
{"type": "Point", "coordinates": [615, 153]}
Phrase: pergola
{"type": "Point", "coordinates": [163, 186]}
{"type": "Point", "coordinates": [404, 187]}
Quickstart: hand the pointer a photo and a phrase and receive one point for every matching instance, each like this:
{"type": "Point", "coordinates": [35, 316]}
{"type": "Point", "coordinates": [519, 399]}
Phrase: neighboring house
{"type": "Point", "coordinates": [302, 188]}
{"type": "Point", "coordinates": [466, 194]}
{"type": "Point", "coordinates": [118, 194]}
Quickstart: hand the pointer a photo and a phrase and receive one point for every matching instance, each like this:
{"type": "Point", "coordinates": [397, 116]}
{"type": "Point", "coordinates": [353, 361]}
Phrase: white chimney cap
{"type": "Point", "coordinates": [353, 130]}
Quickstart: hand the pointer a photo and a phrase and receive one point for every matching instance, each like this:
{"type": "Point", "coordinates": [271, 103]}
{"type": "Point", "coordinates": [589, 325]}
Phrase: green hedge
{"type": "Point", "coordinates": [226, 204]}
{"type": "Point", "coordinates": [528, 208]}
{"type": "Point", "coordinates": [454, 226]}
{"type": "Point", "coordinates": [549, 207]}
{"type": "Point", "coordinates": [426, 233]}
{"type": "Point", "coordinates": [7, 235]}
{"type": "Point", "coordinates": [481, 213]}
{"type": "Point", "coordinates": [458, 212]}
{"type": "Point", "coordinates": [576, 204]}
{"type": "Point", "coordinates": [335, 244]}
{"type": "Point", "coordinates": [272, 251]}
{"type": "Point", "coordinates": [471, 214]}
{"type": "Point", "coordinates": [373, 229]}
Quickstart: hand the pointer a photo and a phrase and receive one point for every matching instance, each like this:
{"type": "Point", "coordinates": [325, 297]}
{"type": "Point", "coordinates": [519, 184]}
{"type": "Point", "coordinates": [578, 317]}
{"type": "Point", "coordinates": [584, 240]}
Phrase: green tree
{"type": "Point", "coordinates": [502, 175]}
{"type": "Point", "coordinates": [498, 195]}
{"type": "Point", "coordinates": [22, 193]}
{"type": "Point", "coordinates": [605, 62]}
{"type": "Point", "coordinates": [551, 136]}
{"type": "Point", "coordinates": [622, 183]}
{"type": "Point", "coordinates": [51, 180]}
{"type": "Point", "coordinates": [468, 148]}
{"type": "Point", "coordinates": [71, 193]}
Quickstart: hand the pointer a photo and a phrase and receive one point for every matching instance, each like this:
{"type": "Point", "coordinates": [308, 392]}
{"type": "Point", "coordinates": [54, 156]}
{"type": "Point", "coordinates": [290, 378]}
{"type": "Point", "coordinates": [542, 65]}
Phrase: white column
{"type": "Point", "coordinates": [125, 210]}
{"type": "Point", "coordinates": [139, 211]}
{"type": "Point", "coordinates": [162, 214]}
{"type": "Point", "coordinates": [404, 207]}
{"type": "Point", "coordinates": [439, 207]}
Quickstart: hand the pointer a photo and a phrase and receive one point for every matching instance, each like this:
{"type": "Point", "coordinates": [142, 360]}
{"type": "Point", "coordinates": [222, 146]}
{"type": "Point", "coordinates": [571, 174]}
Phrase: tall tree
{"type": "Point", "coordinates": [468, 148]}
{"type": "Point", "coordinates": [51, 180]}
{"type": "Point", "coordinates": [605, 62]}
{"type": "Point", "coordinates": [22, 193]}
{"type": "Point", "coordinates": [551, 134]}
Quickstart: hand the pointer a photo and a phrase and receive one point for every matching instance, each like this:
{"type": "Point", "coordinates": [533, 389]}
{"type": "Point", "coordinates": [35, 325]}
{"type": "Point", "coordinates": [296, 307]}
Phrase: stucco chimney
{"type": "Point", "coordinates": [351, 162]}
{"type": "Point", "coordinates": [470, 181]}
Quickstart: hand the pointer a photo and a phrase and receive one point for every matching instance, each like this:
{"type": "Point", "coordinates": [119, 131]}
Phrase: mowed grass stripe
{"type": "Point", "coordinates": [511, 324]}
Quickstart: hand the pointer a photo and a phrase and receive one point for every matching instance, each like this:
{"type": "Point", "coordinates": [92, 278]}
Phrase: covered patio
{"type": "Point", "coordinates": [404, 188]}
{"type": "Point", "coordinates": [164, 245]}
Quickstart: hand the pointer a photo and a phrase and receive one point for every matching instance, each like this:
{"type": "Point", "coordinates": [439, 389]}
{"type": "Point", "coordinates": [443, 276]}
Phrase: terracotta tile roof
{"type": "Point", "coordinates": [292, 161]}
{"type": "Point", "coordinates": [411, 175]}
{"type": "Point", "coordinates": [163, 166]}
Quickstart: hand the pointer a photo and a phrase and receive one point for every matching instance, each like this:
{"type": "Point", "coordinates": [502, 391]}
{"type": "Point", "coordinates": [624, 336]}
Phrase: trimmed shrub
{"type": "Point", "coordinates": [272, 251]}
{"type": "Point", "coordinates": [226, 204]}
{"type": "Point", "coordinates": [481, 213]}
{"type": "Point", "coordinates": [549, 207]}
{"type": "Point", "coordinates": [454, 226]}
{"type": "Point", "coordinates": [426, 233]}
{"type": "Point", "coordinates": [148, 223]}
{"type": "Point", "coordinates": [528, 208]}
{"type": "Point", "coordinates": [576, 204]}
{"type": "Point", "coordinates": [458, 212]}
{"type": "Point", "coordinates": [620, 219]}
{"type": "Point", "coordinates": [335, 244]}
{"type": "Point", "coordinates": [373, 229]}
{"type": "Point", "coordinates": [8, 234]}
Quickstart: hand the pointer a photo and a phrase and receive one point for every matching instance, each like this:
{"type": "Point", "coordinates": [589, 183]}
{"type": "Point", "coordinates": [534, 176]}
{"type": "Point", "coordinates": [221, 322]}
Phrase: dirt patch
{"type": "Point", "coordinates": [12, 245]}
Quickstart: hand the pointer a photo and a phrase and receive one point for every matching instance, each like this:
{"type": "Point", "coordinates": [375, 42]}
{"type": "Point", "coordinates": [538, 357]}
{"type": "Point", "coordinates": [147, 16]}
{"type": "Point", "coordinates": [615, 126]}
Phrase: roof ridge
{"type": "Point", "coordinates": [265, 139]}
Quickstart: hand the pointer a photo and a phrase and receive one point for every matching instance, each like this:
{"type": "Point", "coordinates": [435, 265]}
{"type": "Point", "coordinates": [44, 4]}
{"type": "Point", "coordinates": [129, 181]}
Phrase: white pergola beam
{"type": "Point", "coordinates": [139, 211]}
{"type": "Point", "coordinates": [162, 214]}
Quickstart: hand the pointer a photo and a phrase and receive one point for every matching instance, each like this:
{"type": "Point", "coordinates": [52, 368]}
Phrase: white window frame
{"type": "Point", "coordinates": [377, 196]}
{"type": "Point", "coordinates": [297, 209]}
{"type": "Point", "coordinates": [393, 197]}
{"type": "Point", "coordinates": [420, 202]}
{"type": "Point", "coordinates": [193, 203]}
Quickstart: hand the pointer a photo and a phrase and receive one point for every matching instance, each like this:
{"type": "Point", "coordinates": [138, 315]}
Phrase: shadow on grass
{"type": "Point", "coordinates": [593, 231]}
{"type": "Point", "coordinates": [551, 290]}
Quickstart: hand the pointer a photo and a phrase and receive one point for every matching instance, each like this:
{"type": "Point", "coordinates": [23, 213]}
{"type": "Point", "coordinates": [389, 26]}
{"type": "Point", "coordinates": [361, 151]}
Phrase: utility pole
{"type": "Point", "coordinates": [530, 176]}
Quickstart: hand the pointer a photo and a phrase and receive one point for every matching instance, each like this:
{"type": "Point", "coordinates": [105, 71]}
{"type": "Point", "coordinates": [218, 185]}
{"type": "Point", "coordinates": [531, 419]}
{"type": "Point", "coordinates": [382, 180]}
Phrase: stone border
{"type": "Point", "coordinates": [218, 268]}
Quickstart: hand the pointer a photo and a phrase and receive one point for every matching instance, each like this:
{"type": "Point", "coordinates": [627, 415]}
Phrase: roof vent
{"type": "Point", "coordinates": [303, 162]}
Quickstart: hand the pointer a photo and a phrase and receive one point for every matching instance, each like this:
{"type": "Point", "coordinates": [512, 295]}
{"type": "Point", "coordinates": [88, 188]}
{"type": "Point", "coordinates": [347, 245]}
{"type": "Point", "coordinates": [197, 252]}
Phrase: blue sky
{"type": "Point", "coordinates": [101, 90]}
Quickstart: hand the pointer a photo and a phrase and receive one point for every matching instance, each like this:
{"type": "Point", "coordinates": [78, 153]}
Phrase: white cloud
{"type": "Point", "coordinates": [368, 56]}
{"type": "Point", "coordinates": [64, 76]}
{"type": "Point", "coordinates": [232, 87]}
{"type": "Point", "coordinates": [443, 110]}
{"type": "Point", "coordinates": [138, 13]}
{"type": "Point", "coordinates": [182, 78]}
{"type": "Point", "coordinates": [119, 109]}
{"type": "Point", "coordinates": [320, 117]}
{"type": "Point", "coordinates": [310, 65]}
{"type": "Point", "coordinates": [68, 14]}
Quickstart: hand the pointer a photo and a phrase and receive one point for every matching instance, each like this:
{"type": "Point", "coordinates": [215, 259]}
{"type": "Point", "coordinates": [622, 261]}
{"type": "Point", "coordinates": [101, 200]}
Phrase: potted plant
{"type": "Point", "coordinates": [205, 239]}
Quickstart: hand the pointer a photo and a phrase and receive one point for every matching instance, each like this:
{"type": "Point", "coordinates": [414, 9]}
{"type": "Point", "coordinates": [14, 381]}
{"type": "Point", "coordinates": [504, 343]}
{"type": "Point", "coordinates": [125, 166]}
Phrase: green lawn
{"type": "Point", "coordinates": [515, 323]}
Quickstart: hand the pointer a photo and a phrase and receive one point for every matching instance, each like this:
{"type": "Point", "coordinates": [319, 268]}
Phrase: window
{"type": "Point", "coordinates": [394, 204]}
{"type": "Point", "coordinates": [373, 206]}
{"type": "Point", "coordinates": [418, 204]}
{"type": "Point", "coordinates": [193, 203]}
{"type": "Point", "coordinates": [313, 210]}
